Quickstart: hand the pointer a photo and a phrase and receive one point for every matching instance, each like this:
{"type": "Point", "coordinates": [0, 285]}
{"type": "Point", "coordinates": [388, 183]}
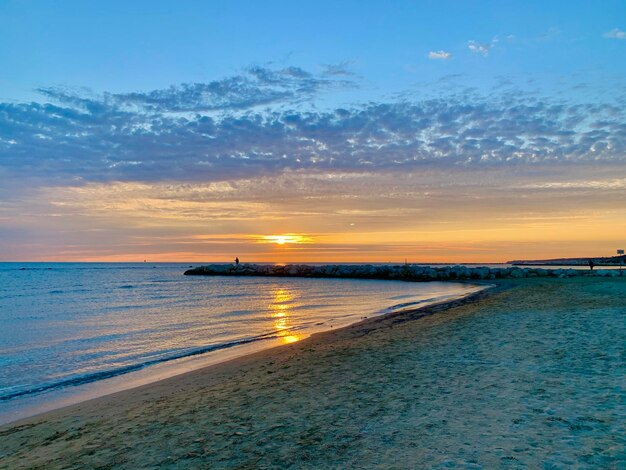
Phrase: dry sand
{"type": "Point", "coordinates": [531, 375]}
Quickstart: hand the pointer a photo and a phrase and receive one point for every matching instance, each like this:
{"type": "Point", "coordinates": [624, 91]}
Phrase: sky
{"type": "Point", "coordinates": [369, 131]}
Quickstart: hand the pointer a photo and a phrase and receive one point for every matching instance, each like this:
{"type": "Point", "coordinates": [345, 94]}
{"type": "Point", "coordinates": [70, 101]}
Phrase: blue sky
{"type": "Point", "coordinates": [470, 131]}
{"type": "Point", "coordinates": [130, 46]}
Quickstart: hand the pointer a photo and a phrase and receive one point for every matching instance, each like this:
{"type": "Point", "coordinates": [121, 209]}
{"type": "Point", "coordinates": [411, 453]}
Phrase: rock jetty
{"type": "Point", "coordinates": [406, 272]}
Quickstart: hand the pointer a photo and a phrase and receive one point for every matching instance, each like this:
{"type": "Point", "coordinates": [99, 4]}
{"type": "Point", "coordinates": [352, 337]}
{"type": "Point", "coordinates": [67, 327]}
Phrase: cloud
{"type": "Point", "coordinates": [257, 86]}
{"type": "Point", "coordinates": [606, 184]}
{"type": "Point", "coordinates": [146, 137]}
{"type": "Point", "coordinates": [478, 48]}
{"type": "Point", "coordinates": [413, 211]}
{"type": "Point", "coordinates": [342, 69]}
{"type": "Point", "coordinates": [615, 33]}
{"type": "Point", "coordinates": [138, 175]}
{"type": "Point", "coordinates": [482, 49]}
{"type": "Point", "coordinates": [550, 34]}
{"type": "Point", "coordinates": [439, 55]}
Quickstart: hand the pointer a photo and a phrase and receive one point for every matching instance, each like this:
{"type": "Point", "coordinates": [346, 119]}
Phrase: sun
{"type": "Point", "coordinates": [282, 239]}
{"type": "Point", "coordinates": [289, 238]}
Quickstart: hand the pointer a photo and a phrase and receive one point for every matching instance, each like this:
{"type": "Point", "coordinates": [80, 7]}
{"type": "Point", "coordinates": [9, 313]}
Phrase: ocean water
{"type": "Point", "coordinates": [72, 330]}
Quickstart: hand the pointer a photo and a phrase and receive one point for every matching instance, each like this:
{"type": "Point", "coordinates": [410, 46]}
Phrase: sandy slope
{"type": "Point", "coordinates": [533, 375]}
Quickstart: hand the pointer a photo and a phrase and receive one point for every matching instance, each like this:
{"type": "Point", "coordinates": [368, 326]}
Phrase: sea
{"type": "Point", "coordinates": [75, 331]}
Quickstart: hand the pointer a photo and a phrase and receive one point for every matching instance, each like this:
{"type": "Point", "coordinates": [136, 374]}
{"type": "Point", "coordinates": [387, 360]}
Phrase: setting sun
{"type": "Point", "coordinates": [284, 239]}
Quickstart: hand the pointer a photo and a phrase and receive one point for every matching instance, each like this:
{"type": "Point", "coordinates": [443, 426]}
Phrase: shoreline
{"type": "Point", "coordinates": [165, 371]}
{"type": "Point", "coordinates": [506, 375]}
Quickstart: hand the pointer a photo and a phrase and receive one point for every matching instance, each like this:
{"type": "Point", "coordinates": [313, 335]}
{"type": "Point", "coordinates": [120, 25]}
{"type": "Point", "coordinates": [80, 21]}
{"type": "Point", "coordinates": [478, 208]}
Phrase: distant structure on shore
{"type": "Point", "coordinates": [618, 260]}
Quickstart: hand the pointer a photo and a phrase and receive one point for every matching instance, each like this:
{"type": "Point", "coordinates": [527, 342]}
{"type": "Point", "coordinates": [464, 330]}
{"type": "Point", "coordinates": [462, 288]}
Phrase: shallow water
{"type": "Point", "coordinates": [64, 325]}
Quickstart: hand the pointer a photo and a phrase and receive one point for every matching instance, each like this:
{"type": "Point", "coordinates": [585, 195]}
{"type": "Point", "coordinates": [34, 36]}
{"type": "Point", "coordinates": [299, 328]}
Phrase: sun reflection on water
{"type": "Point", "coordinates": [279, 307]}
{"type": "Point", "coordinates": [290, 338]}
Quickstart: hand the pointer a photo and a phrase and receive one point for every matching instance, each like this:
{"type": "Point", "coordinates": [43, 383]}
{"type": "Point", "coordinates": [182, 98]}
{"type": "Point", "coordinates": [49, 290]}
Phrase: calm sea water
{"type": "Point", "coordinates": [70, 327]}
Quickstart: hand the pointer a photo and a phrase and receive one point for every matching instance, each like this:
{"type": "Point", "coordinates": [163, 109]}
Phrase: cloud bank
{"type": "Point", "coordinates": [176, 135]}
{"type": "Point", "coordinates": [193, 171]}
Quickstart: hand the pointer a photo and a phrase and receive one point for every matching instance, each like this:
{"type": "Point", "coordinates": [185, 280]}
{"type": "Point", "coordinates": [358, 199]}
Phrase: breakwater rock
{"type": "Point", "coordinates": [405, 272]}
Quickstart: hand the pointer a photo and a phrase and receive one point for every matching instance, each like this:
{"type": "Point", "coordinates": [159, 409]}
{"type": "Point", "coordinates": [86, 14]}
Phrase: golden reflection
{"type": "Point", "coordinates": [280, 314]}
{"type": "Point", "coordinates": [290, 338]}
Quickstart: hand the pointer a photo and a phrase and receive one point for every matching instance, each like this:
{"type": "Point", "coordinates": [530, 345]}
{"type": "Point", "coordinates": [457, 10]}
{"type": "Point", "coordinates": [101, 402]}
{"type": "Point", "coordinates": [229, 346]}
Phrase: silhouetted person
{"type": "Point", "coordinates": [237, 261]}
{"type": "Point", "coordinates": [591, 264]}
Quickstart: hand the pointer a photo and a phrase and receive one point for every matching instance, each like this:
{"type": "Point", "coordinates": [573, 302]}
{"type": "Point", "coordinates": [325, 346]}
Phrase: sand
{"type": "Point", "coordinates": [531, 375]}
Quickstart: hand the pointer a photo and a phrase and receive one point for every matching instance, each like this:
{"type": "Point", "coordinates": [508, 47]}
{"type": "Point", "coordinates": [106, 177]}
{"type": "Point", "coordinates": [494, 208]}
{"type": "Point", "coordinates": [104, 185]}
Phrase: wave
{"type": "Point", "coordinates": [107, 374]}
{"type": "Point", "coordinates": [17, 266]}
{"type": "Point", "coordinates": [410, 305]}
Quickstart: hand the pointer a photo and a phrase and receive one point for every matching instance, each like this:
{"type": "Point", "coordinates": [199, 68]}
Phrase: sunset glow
{"type": "Point", "coordinates": [426, 146]}
{"type": "Point", "coordinates": [312, 234]}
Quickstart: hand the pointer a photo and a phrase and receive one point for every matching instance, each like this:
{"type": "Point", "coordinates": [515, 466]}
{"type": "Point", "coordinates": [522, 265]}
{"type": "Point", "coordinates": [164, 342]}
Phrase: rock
{"type": "Point", "coordinates": [517, 273]}
{"type": "Point", "coordinates": [608, 272]}
{"type": "Point", "coordinates": [402, 271]}
{"type": "Point", "coordinates": [480, 273]}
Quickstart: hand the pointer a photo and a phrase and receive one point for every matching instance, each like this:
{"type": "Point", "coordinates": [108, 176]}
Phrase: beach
{"type": "Point", "coordinates": [72, 332]}
{"type": "Point", "coordinates": [530, 373]}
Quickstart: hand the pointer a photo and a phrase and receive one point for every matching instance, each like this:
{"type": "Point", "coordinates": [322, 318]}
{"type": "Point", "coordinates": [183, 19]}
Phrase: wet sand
{"type": "Point", "coordinates": [531, 374]}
